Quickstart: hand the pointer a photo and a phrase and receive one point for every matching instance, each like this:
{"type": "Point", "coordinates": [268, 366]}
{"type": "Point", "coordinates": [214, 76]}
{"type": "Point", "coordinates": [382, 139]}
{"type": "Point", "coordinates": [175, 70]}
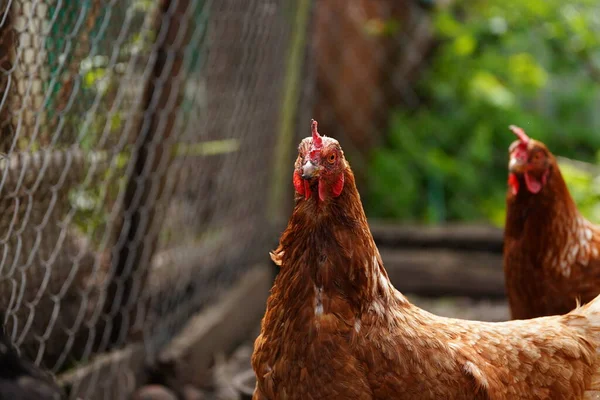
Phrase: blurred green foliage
{"type": "Point", "coordinates": [531, 64]}
{"type": "Point", "coordinates": [98, 123]}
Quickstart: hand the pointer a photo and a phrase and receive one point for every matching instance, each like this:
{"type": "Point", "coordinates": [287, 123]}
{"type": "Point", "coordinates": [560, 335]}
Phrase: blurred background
{"type": "Point", "coordinates": [148, 149]}
{"type": "Point", "coordinates": [422, 92]}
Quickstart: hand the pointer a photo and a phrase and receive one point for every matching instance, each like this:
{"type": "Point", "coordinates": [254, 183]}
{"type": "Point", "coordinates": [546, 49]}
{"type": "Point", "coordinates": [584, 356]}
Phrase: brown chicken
{"type": "Point", "coordinates": [551, 253]}
{"type": "Point", "coordinates": [336, 328]}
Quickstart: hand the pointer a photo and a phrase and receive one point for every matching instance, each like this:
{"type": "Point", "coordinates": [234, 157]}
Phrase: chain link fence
{"type": "Point", "coordinates": [137, 139]}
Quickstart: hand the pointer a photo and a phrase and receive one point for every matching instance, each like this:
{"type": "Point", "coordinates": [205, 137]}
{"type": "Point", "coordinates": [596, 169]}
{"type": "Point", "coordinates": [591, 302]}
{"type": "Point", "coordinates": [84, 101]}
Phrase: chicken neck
{"type": "Point", "coordinates": [329, 254]}
{"type": "Point", "coordinates": [530, 217]}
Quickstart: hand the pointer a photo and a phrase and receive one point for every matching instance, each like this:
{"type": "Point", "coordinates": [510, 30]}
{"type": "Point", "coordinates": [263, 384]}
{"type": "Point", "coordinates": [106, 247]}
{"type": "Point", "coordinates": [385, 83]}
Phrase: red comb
{"type": "Point", "coordinates": [520, 133]}
{"type": "Point", "coordinates": [317, 140]}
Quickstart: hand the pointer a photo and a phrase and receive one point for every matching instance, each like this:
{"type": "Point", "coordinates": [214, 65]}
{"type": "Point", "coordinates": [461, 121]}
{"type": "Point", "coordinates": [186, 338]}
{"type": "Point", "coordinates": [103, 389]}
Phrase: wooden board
{"type": "Point", "coordinates": [464, 237]}
{"type": "Point", "coordinates": [113, 375]}
{"type": "Point", "coordinates": [443, 272]}
{"type": "Point", "coordinates": [216, 330]}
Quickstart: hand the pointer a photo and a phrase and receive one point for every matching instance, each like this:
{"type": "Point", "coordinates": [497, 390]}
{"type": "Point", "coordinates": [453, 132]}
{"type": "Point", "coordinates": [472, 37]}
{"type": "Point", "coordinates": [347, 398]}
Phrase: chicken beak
{"type": "Point", "coordinates": [516, 165]}
{"type": "Point", "coordinates": [310, 170]}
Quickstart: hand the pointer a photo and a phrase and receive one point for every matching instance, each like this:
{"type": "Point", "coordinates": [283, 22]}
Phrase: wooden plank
{"type": "Point", "coordinates": [109, 376]}
{"type": "Point", "coordinates": [489, 310]}
{"type": "Point", "coordinates": [46, 171]}
{"type": "Point", "coordinates": [451, 236]}
{"type": "Point", "coordinates": [218, 329]}
{"type": "Point", "coordinates": [442, 272]}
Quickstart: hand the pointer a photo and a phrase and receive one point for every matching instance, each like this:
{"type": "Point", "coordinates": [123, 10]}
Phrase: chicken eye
{"type": "Point", "coordinates": [331, 158]}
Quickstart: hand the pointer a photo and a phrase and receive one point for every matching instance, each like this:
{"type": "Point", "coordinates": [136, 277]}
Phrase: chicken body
{"type": "Point", "coordinates": [551, 252]}
{"type": "Point", "coordinates": [402, 352]}
{"type": "Point", "coordinates": [336, 328]}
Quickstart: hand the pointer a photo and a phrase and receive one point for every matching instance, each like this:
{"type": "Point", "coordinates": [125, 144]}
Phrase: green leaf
{"type": "Point", "coordinates": [447, 25]}
{"type": "Point", "coordinates": [91, 77]}
{"type": "Point", "coordinates": [526, 72]}
{"type": "Point", "coordinates": [485, 86]}
{"type": "Point", "coordinates": [464, 45]}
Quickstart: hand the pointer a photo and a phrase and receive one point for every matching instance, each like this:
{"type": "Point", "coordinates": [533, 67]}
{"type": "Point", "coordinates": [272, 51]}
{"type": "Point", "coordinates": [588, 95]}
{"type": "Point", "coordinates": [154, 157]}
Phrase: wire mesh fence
{"type": "Point", "coordinates": [136, 137]}
{"type": "Point", "coordinates": [146, 148]}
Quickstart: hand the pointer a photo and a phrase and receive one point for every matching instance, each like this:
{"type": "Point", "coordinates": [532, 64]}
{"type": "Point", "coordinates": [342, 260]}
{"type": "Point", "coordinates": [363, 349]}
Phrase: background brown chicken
{"type": "Point", "coordinates": [551, 252]}
{"type": "Point", "coordinates": [336, 328]}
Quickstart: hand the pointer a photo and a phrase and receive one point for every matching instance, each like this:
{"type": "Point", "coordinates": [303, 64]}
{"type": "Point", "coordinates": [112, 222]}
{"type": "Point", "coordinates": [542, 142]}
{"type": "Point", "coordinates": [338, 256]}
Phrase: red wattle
{"type": "Point", "coordinates": [322, 190]}
{"type": "Point", "coordinates": [513, 182]}
{"type": "Point", "coordinates": [298, 185]}
{"type": "Point", "coordinates": [307, 192]}
{"type": "Point", "coordinates": [533, 184]}
{"type": "Point", "coordinates": [338, 186]}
